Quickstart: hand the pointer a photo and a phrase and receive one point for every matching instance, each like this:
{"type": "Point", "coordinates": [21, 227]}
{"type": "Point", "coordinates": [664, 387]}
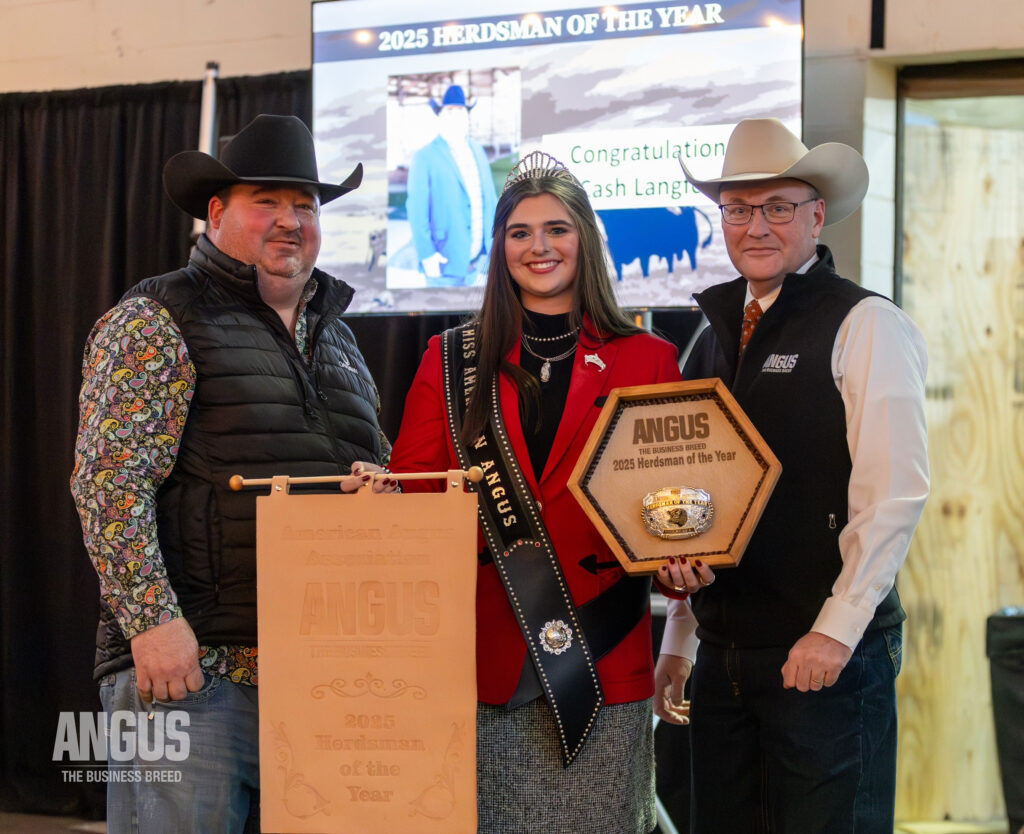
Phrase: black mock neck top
{"type": "Point", "coordinates": [540, 425]}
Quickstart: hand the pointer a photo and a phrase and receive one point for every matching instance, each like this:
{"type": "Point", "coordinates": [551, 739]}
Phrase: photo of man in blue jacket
{"type": "Point", "coordinates": [451, 198]}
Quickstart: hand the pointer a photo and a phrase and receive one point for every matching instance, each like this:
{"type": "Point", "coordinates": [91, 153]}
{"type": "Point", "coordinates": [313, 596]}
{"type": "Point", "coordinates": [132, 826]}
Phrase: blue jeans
{"type": "Point", "coordinates": [768, 760]}
{"type": "Point", "coordinates": [219, 777]}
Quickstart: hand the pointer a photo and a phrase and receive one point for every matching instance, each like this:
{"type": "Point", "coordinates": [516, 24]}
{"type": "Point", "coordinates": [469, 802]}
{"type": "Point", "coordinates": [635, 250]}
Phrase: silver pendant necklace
{"type": "Point", "coordinates": [545, 369]}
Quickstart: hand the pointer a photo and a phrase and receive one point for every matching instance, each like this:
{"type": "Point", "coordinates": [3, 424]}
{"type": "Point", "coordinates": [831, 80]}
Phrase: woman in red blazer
{"type": "Point", "coordinates": [564, 739]}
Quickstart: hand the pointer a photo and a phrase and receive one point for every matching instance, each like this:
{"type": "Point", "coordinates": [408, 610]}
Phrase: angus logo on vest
{"type": "Point", "coordinates": [780, 363]}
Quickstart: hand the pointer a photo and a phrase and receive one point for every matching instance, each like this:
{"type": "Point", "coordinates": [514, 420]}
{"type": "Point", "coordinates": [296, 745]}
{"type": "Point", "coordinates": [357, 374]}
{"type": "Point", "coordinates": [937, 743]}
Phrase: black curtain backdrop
{"type": "Point", "coordinates": [84, 217]}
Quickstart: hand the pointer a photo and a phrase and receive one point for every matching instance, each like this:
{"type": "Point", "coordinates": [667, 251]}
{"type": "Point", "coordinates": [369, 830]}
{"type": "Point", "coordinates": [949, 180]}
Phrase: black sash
{"type": "Point", "coordinates": [562, 661]}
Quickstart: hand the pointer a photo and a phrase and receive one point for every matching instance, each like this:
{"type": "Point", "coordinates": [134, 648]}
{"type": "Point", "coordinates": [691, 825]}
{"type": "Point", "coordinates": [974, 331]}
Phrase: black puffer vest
{"type": "Point", "coordinates": [257, 410]}
{"type": "Point", "coordinates": [784, 384]}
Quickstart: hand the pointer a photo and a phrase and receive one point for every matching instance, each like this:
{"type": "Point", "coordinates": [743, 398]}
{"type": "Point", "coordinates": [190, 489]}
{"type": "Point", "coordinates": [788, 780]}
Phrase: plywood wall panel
{"type": "Point", "coordinates": [963, 283]}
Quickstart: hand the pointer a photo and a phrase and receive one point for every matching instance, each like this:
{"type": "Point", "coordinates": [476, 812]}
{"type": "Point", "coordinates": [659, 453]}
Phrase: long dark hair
{"type": "Point", "coordinates": [500, 320]}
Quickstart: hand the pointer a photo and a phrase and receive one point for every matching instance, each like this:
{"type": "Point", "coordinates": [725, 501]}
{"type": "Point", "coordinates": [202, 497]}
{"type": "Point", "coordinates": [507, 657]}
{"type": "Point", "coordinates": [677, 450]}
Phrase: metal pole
{"type": "Point", "coordinates": [207, 127]}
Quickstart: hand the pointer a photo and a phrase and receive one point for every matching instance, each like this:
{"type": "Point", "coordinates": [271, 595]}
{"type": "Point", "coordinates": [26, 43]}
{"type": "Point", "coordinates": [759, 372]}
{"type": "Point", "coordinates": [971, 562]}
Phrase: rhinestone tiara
{"type": "Point", "coordinates": [538, 164]}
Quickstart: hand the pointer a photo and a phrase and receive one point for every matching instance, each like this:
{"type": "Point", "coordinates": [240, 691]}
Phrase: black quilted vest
{"type": "Point", "coordinates": [257, 410]}
{"type": "Point", "coordinates": [784, 384]}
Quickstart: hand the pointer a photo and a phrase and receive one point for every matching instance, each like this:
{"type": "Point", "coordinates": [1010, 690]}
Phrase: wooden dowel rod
{"type": "Point", "coordinates": [237, 482]}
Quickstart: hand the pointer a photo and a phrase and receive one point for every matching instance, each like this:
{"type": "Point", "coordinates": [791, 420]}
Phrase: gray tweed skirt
{"type": "Point", "coordinates": [522, 787]}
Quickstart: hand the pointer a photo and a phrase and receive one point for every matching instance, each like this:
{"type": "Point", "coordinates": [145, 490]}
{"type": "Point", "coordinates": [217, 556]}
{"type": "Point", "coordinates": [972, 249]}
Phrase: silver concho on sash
{"type": "Point", "coordinates": [677, 512]}
{"type": "Point", "coordinates": [555, 637]}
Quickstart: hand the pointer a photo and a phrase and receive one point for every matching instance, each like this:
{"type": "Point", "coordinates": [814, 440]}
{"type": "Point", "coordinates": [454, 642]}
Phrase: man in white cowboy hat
{"type": "Point", "coordinates": [237, 363]}
{"type": "Point", "coordinates": [451, 198]}
{"type": "Point", "coordinates": [793, 703]}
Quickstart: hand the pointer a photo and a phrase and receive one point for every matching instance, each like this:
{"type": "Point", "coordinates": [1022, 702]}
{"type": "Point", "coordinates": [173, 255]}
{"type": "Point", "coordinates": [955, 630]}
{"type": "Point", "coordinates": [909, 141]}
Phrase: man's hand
{"type": "Point", "coordinates": [432, 265]}
{"type": "Point", "coordinates": [167, 662]}
{"type": "Point", "coordinates": [815, 661]}
{"type": "Point", "coordinates": [670, 676]}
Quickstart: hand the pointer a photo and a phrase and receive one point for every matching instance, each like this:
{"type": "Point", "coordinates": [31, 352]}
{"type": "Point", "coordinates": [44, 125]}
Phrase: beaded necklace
{"type": "Point", "coordinates": [572, 332]}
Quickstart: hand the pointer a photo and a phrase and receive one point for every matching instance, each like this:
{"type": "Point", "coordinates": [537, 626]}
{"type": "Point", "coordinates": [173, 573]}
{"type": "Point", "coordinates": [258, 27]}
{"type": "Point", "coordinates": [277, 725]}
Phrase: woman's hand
{"type": "Point", "coordinates": [684, 574]}
{"type": "Point", "coordinates": [364, 473]}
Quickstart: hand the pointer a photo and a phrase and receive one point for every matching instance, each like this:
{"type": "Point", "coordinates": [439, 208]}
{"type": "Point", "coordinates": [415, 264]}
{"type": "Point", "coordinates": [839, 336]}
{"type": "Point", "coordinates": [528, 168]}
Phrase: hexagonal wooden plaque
{"type": "Point", "coordinates": [678, 434]}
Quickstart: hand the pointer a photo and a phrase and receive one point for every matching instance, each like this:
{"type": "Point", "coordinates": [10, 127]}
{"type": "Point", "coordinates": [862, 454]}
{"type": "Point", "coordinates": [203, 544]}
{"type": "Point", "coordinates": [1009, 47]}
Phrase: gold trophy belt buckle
{"type": "Point", "coordinates": [677, 512]}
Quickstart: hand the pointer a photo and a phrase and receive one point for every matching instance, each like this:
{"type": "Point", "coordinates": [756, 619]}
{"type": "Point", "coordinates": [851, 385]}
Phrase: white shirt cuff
{"type": "Point", "coordinates": [842, 621]}
{"type": "Point", "coordinates": [680, 637]}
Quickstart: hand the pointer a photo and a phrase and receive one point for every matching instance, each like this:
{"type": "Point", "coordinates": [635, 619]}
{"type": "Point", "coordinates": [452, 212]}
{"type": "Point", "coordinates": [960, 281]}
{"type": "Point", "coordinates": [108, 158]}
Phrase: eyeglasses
{"type": "Point", "coordinates": [739, 214]}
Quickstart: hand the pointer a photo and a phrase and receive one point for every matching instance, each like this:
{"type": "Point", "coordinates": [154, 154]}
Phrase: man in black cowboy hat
{"type": "Point", "coordinates": [793, 699]}
{"type": "Point", "coordinates": [237, 363]}
{"type": "Point", "coordinates": [451, 198]}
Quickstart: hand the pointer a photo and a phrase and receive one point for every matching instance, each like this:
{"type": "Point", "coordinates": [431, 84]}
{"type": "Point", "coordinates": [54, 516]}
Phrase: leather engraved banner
{"type": "Point", "coordinates": [367, 660]}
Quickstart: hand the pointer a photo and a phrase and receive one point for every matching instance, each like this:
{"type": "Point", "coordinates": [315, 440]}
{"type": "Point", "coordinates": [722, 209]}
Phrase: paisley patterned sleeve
{"type": "Point", "coordinates": [137, 382]}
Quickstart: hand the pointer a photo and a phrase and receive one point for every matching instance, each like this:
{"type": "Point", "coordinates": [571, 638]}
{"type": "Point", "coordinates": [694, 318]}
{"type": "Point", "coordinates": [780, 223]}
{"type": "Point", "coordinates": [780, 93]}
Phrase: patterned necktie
{"type": "Point", "coordinates": [751, 316]}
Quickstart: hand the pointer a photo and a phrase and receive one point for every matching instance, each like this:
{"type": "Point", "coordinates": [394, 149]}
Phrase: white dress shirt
{"type": "Point", "coordinates": [465, 160]}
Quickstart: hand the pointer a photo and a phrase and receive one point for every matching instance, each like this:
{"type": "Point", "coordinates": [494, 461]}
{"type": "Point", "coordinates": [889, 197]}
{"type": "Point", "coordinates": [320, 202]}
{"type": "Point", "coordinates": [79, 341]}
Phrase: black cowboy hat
{"type": "Point", "coordinates": [270, 149]}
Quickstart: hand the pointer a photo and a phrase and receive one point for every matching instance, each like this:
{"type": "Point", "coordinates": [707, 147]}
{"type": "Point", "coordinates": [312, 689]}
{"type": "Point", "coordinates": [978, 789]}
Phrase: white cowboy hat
{"type": "Point", "coordinates": [764, 149]}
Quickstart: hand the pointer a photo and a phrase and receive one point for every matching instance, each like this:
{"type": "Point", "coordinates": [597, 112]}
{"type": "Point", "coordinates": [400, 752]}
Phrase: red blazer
{"type": "Point", "coordinates": [424, 445]}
